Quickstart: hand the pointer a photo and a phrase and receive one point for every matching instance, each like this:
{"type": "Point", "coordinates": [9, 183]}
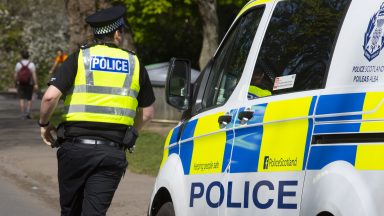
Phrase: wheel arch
{"type": "Point", "coordinates": [170, 186]}
{"type": "Point", "coordinates": [336, 189]}
{"type": "Point", "coordinates": [162, 196]}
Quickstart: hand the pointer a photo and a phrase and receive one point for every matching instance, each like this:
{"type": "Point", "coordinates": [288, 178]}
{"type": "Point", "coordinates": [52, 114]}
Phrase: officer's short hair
{"type": "Point", "coordinates": [108, 36]}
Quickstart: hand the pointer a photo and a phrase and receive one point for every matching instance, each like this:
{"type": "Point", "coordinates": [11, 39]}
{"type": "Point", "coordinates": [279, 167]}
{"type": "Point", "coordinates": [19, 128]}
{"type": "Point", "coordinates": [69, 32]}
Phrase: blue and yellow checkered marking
{"type": "Point", "coordinates": [253, 144]}
{"type": "Point", "coordinates": [246, 150]}
{"type": "Point", "coordinates": [370, 157]}
{"type": "Point", "coordinates": [285, 134]}
{"type": "Point", "coordinates": [175, 133]}
{"type": "Point", "coordinates": [189, 130]}
{"type": "Point", "coordinates": [337, 128]}
{"type": "Point", "coordinates": [372, 111]}
{"type": "Point", "coordinates": [320, 156]}
{"type": "Point", "coordinates": [342, 105]}
{"type": "Point", "coordinates": [358, 108]}
{"type": "Point", "coordinates": [186, 150]}
{"type": "Point", "coordinates": [212, 145]}
{"type": "Point", "coordinates": [166, 148]}
{"type": "Point", "coordinates": [210, 139]}
{"type": "Point", "coordinates": [362, 157]}
{"type": "Point", "coordinates": [309, 132]}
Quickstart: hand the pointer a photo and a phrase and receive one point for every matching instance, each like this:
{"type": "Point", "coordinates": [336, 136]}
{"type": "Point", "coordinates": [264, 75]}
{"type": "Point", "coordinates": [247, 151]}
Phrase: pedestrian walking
{"type": "Point", "coordinates": [108, 99]}
{"type": "Point", "coordinates": [26, 82]}
{"type": "Point", "coordinates": [59, 59]}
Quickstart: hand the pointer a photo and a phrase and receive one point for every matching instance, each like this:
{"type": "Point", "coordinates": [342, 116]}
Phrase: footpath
{"type": "Point", "coordinates": [31, 165]}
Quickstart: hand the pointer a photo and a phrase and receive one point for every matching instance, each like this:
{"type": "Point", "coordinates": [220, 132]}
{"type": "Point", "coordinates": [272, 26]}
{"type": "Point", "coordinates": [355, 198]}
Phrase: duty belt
{"type": "Point", "coordinates": [96, 142]}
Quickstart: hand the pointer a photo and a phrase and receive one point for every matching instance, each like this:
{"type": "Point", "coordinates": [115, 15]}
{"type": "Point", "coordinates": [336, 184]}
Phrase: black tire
{"type": "Point", "coordinates": [325, 214]}
{"type": "Point", "coordinates": [166, 210]}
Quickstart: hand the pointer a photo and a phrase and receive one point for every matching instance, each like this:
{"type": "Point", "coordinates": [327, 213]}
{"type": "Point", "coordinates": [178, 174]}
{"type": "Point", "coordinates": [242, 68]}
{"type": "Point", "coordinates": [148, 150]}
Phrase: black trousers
{"type": "Point", "coordinates": [25, 92]}
{"type": "Point", "coordinates": [88, 177]}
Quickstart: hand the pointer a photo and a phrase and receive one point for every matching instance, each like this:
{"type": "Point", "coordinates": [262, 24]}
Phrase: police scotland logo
{"type": "Point", "coordinates": [374, 38]}
{"type": "Point", "coordinates": [371, 72]}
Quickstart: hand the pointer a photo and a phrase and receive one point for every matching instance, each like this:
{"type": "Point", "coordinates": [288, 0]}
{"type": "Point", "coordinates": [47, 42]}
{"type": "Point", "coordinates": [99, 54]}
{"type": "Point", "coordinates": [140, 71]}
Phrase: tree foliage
{"type": "Point", "coordinates": [10, 29]}
{"type": "Point", "coordinates": [37, 26]}
{"type": "Point", "coordinates": [161, 29]}
{"type": "Point", "coordinates": [165, 28]}
{"type": "Point", "coordinates": [172, 28]}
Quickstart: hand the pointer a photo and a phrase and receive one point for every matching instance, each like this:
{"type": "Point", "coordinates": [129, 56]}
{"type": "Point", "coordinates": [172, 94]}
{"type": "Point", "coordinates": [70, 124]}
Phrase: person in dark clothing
{"type": "Point", "coordinates": [108, 99]}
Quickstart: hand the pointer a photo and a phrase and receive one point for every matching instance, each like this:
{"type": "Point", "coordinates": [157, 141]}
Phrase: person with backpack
{"type": "Point", "coordinates": [26, 82]}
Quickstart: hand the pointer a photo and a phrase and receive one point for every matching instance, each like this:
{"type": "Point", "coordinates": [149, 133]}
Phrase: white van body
{"type": "Point", "coordinates": [303, 152]}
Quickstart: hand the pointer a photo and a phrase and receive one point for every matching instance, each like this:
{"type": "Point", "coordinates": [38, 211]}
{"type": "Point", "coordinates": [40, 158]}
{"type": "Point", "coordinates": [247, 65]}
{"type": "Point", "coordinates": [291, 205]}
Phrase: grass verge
{"type": "Point", "coordinates": [56, 116]}
{"type": "Point", "coordinates": [148, 153]}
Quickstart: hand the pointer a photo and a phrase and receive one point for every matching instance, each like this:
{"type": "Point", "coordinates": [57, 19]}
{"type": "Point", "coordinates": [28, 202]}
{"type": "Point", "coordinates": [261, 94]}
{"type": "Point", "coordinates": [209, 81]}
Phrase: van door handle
{"type": "Point", "coordinates": [224, 120]}
{"type": "Point", "coordinates": [245, 116]}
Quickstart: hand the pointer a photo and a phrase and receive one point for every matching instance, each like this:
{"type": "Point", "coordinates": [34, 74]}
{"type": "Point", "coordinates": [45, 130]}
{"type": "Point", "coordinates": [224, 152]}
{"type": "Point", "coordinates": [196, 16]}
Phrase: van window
{"type": "Point", "coordinates": [297, 47]}
{"type": "Point", "coordinates": [229, 62]}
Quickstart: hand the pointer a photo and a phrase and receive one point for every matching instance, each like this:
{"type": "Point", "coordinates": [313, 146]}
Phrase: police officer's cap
{"type": "Point", "coordinates": [107, 20]}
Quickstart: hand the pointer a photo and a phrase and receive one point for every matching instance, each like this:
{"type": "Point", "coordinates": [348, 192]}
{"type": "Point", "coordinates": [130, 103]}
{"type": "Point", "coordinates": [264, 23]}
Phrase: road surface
{"type": "Point", "coordinates": [28, 171]}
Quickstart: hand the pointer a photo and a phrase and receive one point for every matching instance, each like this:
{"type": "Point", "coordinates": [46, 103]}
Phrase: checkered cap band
{"type": "Point", "coordinates": [109, 28]}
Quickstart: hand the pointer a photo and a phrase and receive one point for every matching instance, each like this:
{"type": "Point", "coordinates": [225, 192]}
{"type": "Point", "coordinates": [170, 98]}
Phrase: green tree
{"type": "Point", "coordinates": [167, 28]}
{"type": "Point", "coordinates": [11, 31]}
{"type": "Point", "coordinates": [37, 26]}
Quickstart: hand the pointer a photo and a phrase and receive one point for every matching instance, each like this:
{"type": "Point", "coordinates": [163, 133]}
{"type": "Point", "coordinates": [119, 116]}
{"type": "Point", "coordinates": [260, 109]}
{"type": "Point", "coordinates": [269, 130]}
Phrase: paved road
{"type": "Point", "coordinates": [28, 172]}
{"type": "Point", "coordinates": [18, 202]}
{"type": "Point", "coordinates": [17, 199]}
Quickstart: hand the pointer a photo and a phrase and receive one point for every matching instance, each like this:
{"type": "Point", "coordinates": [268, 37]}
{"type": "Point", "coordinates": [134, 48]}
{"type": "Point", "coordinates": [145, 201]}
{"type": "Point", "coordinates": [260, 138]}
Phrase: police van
{"type": "Point", "coordinates": [286, 119]}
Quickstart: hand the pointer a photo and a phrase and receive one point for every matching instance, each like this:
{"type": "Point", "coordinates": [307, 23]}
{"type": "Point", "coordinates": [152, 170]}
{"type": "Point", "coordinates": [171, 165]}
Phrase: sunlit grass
{"type": "Point", "coordinates": [148, 154]}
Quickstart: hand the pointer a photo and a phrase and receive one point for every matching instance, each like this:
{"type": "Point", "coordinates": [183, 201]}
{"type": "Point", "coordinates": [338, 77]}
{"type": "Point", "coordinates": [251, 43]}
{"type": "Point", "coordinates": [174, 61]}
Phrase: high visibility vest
{"type": "Point", "coordinates": [105, 88]}
{"type": "Point", "coordinates": [256, 92]}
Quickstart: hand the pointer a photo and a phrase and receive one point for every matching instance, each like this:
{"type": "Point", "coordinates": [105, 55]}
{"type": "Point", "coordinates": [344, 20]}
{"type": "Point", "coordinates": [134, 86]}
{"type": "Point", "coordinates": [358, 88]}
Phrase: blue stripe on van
{"type": "Point", "coordinates": [186, 150]}
{"type": "Point", "coordinates": [173, 150]}
{"type": "Point", "coordinates": [189, 130]}
{"type": "Point", "coordinates": [339, 104]}
{"type": "Point", "coordinates": [322, 155]}
{"type": "Point", "coordinates": [246, 150]}
{"type": "Point", "coordinates": [233, 113]}
{"type": "Point", "coordinates": [258, 115]}
{"type": "Point", "coordinates": [227, 150]}
{"type": "Point", "coordinates": [174, 135]}
{"type": "Point", "coordinates": [237, 120]}
{"type": "Point", "coordinates": [337, 128]}
{"type": "Point", "coordinates": [340, 118]}
{"type": "Point", "coordinates": [312, 107]}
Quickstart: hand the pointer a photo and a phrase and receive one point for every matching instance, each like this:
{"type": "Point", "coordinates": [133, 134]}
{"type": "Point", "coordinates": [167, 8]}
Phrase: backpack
{"type": "Point", "coordinates": [24, 75]}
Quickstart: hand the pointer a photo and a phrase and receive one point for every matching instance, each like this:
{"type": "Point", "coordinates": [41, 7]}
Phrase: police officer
{"type": "Point", "coordinates": [108, 98]}
{"type": "Point", "coordinates": [261, 82]}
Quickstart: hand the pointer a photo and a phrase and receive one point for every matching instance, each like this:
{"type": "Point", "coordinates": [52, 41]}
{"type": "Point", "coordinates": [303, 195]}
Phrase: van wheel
{"type": "Point", "coordinates": [325, 214]}
{"type": "Point", "coordinates": [166, 210]}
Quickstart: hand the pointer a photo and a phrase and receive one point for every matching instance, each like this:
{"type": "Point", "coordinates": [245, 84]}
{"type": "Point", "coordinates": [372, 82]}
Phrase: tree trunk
{"type": "Point", "coordinates": [128, 42]}
{"type": "Point", "coordinates": [80, 32]}
{"type": "Point", "coordinates": [207, 9]}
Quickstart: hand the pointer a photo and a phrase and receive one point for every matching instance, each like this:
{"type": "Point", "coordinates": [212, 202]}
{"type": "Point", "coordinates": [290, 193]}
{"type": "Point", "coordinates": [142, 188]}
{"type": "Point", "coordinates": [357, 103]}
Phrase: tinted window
{"type": "Point", "coordinates": [298, 42]}
{"type": "Point", "coordinates": [230, 60]}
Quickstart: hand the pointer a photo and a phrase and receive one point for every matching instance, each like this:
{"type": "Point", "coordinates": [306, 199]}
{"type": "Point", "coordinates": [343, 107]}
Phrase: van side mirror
{"type": "Point", "coordinates": [178, 85]}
